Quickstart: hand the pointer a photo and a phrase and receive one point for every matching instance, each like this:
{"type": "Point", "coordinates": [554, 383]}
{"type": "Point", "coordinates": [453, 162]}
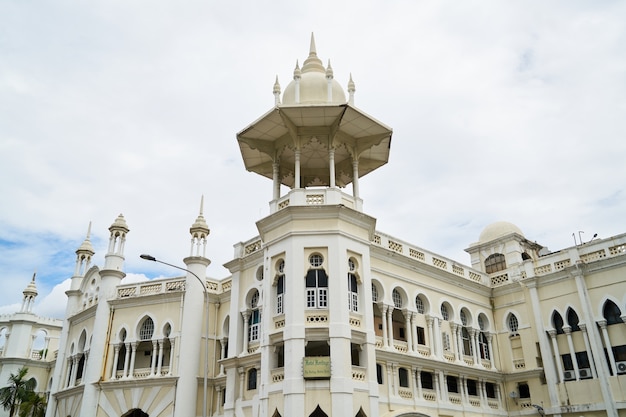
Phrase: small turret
{"type": "Point", "coordinates": [199, 231]}
{"type": "Point", "coordinates": [351, 90]}
{"type": "Point", "coordinates": [276, 92]}
{"type": "Point", "coordinates": [84, 253]}
{"type": "Point", "coordinates": [114, 258]}
{"type": "Point", "coordinates": [30, 292]}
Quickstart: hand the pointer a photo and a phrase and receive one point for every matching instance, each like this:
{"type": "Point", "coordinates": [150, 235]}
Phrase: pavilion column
{"type": "Point", "coordinates": [155, 346]}
{"type": "Point", "coordinates": [331, 163]}
{"type": "Point", "coordinates": [296, 175]}
{"type": "Point", "coordinates": [474, 335]}
{"type": "Point", "coordinates": [126, 360]}
{"type": "Point", "coordinates": [276, 180]}
{"type": "Point", "coordinates": [457, 343]}
{"type": "Point", "coordinates": [390, 326]}
{"type": "Point", "coordinates": [414, 331]}
{"type": "Point", "coordinates": [160, 358]}
{"type": "Point", "coordinates": [408, 332]}
{"type": "Point", "coordinates": [131, 371]}
{"type": "Point", "coordinates": [171, 364]}
{"type": "Point", "coordinates": [431, 339]}
{"type": "Point", "coordinates": [355, 178]}
{"type": "Point", "coordinates": [246, 320]}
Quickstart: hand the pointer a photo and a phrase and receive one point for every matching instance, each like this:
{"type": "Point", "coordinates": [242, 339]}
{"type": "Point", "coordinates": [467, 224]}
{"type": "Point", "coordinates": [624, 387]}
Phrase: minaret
{"type": "Point", "coordinates": [195, 313]}
{"type": "Point", "coordinates": [30, 292]}
{"type": "Point", "coordinates": [84, 254]}
{"type": "Point", "coordinates": [110, 277]}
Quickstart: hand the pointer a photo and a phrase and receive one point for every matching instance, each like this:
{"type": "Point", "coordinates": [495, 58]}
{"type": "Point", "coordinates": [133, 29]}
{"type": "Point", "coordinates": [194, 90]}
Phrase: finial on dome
{"type": "Point", "coordinates": [313, 63]}
{"type": "Point", "coordinates": [329, 71]}
{"type": "Point", "coordinates": [296, 72]}
{"type": "Point", "coordinates": [199, 231]}
{"type": "Point", "coordinates": [351, 90]}
{"type": "Point", "coordinates": [312, 49]}
{"type": "Point", "coordinates": [276, 92]}
{"type": "Point", "coordinates": [30, 292]}
{"type": "Point", "coordinates": [85, 247]}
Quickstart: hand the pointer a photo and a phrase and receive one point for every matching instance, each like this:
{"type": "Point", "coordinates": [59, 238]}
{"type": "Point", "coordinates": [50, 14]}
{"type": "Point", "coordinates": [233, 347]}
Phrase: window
{"type": "Point", "coordinates": [524, 391]}
{"type": "Point", "coordinates": [582, 360]}
{"type": "Point", "coordinates": [557, 322]}
{"type": "Point", "coordinates": [513, 325]}
{"type": "Point", "coordinates": [379, 374]}
{"type": "Point", "coordinates": [471, 387]}
{"type": "Point", "coordinates": [483, 346]}
{"type": "Point", "coordinates": [572, 319]}
{"type": "Point", "coordinates": [481, 322]}
{"type": "Point", "coordinates": [444, 312]}
{"type": "Point", "coordinates": [374, 293]}
{"type": "Point", "coordinates": [316, 289]}
{"type": "Point", "coordinates": [403, 377]}
{"type": "Point", "coordinates": [355, 353]}
{"type": "Point", "coordinates": [316, 260]}
{"type": "Point", "coordinates": [252, 379]}
{"type": "Point", "coordinates": [280, 291]}
{"type": "Point", "coordinates": [427, 380]}
{"type": "Point", "coordinates": [612, 313]}
{"type": "Point", "coordinates": [463, 318]}
{"type": "Point", "coordinates": [419, 304]}
{"type": "Point", "coordinates": [490, 389]}
{"type": "Point", "coordinates": [281, 267]}
{"type": "Point", "coordinates": [467, 343]}
{"type": "Point", "coordinates": [445, 338]}
{"type": "Point", "coordinates": [255, 318]}
{"type": "Point", "coordinates": [495, 263]}
{"type": "Point", "coordinates": [353, 294]}
{"type": "Point", "coordinates": [568, 365]}
{"type": "Point", "coordinates": [397, 298]}
{"type": "Point", "coordinates": [421, 337]}
{"type": "Point", "coordinates": [147, 329]}
{"type": "Point", "coordinates": [452, 382]}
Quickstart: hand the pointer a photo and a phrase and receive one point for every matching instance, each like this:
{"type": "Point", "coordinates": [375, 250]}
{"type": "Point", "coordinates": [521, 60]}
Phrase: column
{"type": "Point", "coordinates": [74, 370]}
{"type": "Point", "coordinates": [126, 360]}
{"type": "Point", "coordinates": [483, 392]}
{"type": "Point", "coordinates": [418, 377]}
{"type": "Point", "coordinates": [414, 372]}
{"type": "Point", "coordinates": [220, 401]}
{"type": "Point", "coordinates": [572, 351]}
{"type": "Point", "coordinates": [443, 380]}
{"type": "Point", "coordinates": [155, 345]}
{"type": "Point", "coordinates": [414, 331]}
{"type": "Point", "coordinates": [246, 320]}
{"type": "Point", "coordinates": [408, 332]}
{"type": "Point", "coordinates": [497, 390]}
{"type": "Point", "coordinates": [223, 342]}
{"type": "Point", "coordinates": [592, 363]}
{"type": "Point", "coordinates": [384, 319]}
{"type": "Point", "coordinates": [242, 377]}
{"type": "Point", "coordinates": [557, 355]}
{"type": "Point", "coordinates": [131, 370]}
{"type": "Point", "coordinates": [160, 359]}
{"type": "Point", "coordinates": [431, 339]}
{"type": "Point", "coordinates": [355, 177]}
{"type": "Point", "coordinates": [456, 340]}
{"type": "Point", "coordinates": [116, 357]}
{"type": "Point", "coordinates": [390, 326]}
{"type": "Point", "coordinates": [490, 349]}
{"type": "Point", "coordinates": [171, 364]}
{"type": "Point", "coordinates": [331, 163]}
{"type": "Point", "coordinates": [474, 341]}
{"type": "Point", "coordinates": [296, 175]}
{"type": "Point", "coordinates": [276, 179]}
{"type": "Point", "coordinates": [463, 383]}
{"type": "Point", "coordinates": [608, 346]}
{"type": "Point", "coordinates": [437, 386]}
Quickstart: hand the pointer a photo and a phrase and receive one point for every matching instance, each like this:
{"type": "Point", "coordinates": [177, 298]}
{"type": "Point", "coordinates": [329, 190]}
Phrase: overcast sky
{"type": "Point", "coordinates": [509, 111]}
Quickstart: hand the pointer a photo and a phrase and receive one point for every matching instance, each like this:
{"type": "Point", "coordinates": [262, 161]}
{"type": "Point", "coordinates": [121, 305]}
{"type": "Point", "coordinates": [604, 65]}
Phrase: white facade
{"type": "Point", "coordinates": [323, 315]}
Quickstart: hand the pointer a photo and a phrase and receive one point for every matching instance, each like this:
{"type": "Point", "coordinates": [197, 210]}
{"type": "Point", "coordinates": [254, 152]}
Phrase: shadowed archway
{"type": "Point", "coordinates": [136, 412]}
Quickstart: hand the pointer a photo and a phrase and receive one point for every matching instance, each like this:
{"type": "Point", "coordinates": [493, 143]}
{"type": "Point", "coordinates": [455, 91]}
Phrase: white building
{"type": "Point", "coordinates": [27, 340]}
{"type": "Point", "coordinates": [323, 315]}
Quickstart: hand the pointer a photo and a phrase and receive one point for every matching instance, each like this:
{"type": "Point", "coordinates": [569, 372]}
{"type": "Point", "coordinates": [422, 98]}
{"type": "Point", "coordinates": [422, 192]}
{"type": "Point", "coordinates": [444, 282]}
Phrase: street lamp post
{"type": "Point", "coordinates": [206, 339]}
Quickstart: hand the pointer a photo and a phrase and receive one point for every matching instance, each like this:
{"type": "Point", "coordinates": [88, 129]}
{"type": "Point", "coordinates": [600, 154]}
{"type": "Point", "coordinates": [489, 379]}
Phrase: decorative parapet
{"type": "Point", "coordinates": [428, 258]}
{"type": "Point", "coordinates": [150, 288]}
{"type": "Point", "coordinates": [358, 373]}
{"type": "Point", "coordinates": [316, 197]}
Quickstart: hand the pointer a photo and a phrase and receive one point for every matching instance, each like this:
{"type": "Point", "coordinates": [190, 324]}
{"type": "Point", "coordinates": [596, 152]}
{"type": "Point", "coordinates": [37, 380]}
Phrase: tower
{"type": "Point", "coordinates": [290, 289]}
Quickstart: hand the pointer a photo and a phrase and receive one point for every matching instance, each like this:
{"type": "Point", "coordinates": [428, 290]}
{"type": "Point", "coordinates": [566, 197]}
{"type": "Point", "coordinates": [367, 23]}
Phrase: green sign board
{"type": "Point", "coordinates": [316, 367]}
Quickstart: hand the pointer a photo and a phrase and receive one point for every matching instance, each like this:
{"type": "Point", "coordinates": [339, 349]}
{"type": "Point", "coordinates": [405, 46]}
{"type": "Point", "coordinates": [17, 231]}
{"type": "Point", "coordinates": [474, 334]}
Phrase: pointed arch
{"type": "Point", "coordinates": [557, 322]}
{"type": "Point", "coordinates": [361, 413]}
{"type": "Point", "coordinates": [276, 413]}
{"type": "Point", "coordinates": [611, 313]}
{"type": "Point", "coordinates": [572, 319]}
{"type": "Point", "coordinates": [136, 412]}
{"type": "Point", "coordinates": [318, 412]}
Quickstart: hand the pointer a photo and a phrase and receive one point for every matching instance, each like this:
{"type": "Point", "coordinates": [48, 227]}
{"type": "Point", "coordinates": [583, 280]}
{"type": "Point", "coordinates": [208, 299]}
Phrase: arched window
{"type": "Point", "coordinates": [419, 304]}
{"type": "Point", "coordinates": [252, 379]}
{"type": "Point", "coordinates": [495, 263]}
{"type": "Point", "coordinates": [374, 293]}
{"type": "Point", "coordinates": [445, 314]}
{"type": "Point", "coordinates": [403, 377]}
{"type": "Point", "coordinates": [280, 292]}
{"type": "Point", "coordinates": [397, 298]}
{"type": "Point", "coordinates": [483, 346]}
{"type": "Point", "coordinates": [557, 322]}
{"type": "Point", "coordinates": [612, 313]}
{"type": "Point", "coordinates": [353, 293]}
{"type": "Point", "coordinates": [255, 318]}
{"type": "Point", "coordinates": [572, 319]}
{"type": "Point", "coordinates": [147, 329]}
{"type": "Point", "coordinates": [316, 283]}
{"type": "Point", "coordinates": [463, 317]}
{"type": "Point", "coordinates": [513, 324]}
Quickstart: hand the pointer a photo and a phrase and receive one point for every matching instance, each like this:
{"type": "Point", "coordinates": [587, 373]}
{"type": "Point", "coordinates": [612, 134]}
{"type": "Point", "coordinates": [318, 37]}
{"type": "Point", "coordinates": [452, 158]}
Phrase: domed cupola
{"type": "Point", "coordinates": [30, 292]}
{"type": "Point", "coordinates": [199, 231]}
{"type": "Point", "coordinates": [313, 84]}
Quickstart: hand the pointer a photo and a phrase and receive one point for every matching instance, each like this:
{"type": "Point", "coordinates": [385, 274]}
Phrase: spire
{"type": "Point", "coordinates": [297, 74]}
{"type": "Point", "coordinates": [199, 231]}
{"type": "Point", "coordinates": [30, 292]}
{"type": "Point", "coordinates": [83, 254]}
{"type": "Point", "coordinates": [329, 71]}
{"type": "Point", "coordinates": [312, 63]}
{"type": "Point", "coordinates": [276, 92]}
{"type": "Point", "coordinates": [351, 90]}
